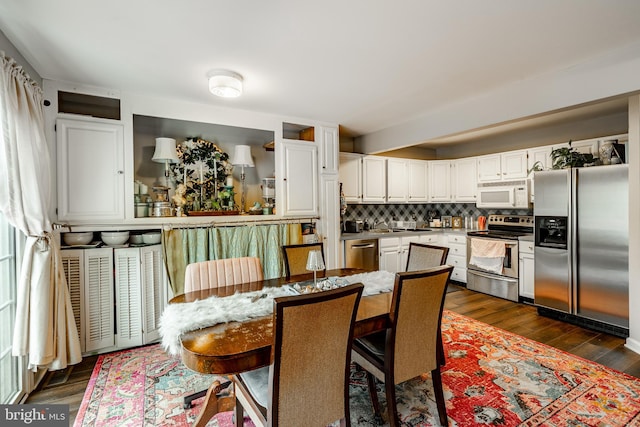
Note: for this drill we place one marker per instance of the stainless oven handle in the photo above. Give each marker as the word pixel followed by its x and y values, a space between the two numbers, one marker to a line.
pixel 492 276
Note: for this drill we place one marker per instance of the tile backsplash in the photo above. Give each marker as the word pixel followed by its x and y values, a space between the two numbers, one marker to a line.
pixel 375 213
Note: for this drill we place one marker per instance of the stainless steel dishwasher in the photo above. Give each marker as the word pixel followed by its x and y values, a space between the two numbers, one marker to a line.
pixel 361 253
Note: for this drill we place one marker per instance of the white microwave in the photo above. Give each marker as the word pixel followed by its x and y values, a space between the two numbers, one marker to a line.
pixel 504 195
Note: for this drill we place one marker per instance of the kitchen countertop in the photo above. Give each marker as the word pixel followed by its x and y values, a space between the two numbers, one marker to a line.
pixel 374 235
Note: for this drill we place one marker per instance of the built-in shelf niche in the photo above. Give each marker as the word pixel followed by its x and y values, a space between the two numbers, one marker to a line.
pixel 298 132
pixel 88 105
pixel 147 128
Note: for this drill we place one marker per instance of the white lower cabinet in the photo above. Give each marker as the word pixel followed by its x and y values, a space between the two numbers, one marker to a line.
pixel 140 284
pixel 394 251
pixel 89 274
pixel 526 269
pixel 457 244
pixel 390 254
pixel 329 223
pixel 117 295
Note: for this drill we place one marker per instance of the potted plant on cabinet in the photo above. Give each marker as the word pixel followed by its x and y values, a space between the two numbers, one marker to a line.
pixel 569 157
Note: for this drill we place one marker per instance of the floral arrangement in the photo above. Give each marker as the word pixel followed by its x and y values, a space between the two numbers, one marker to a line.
pixel 203 170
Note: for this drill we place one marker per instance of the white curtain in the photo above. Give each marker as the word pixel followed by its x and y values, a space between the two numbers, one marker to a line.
pixel 45 329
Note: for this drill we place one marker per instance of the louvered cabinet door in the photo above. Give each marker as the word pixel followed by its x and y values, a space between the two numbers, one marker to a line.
pixel 128 297
pixel 73 265
pixel 98 298
pixel 154 290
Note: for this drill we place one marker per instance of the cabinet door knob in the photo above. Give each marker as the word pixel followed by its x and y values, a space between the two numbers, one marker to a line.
pixel 120 172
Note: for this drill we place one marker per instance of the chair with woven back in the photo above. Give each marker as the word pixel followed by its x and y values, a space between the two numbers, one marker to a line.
pixel 422 256
pixel 307 383
pixel 412 345
pixel 217 273
pixel 295 257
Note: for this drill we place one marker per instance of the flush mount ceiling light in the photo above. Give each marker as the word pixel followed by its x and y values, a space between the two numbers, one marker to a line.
pixel 224 83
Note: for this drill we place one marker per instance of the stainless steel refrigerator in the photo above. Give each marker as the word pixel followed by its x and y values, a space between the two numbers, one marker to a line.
pixel 582 242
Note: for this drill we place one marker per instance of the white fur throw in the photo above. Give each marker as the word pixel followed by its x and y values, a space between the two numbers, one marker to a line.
pixel 177 319
pixel 375 282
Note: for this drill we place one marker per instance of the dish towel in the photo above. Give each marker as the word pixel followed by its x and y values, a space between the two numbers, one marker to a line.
pixel 487 255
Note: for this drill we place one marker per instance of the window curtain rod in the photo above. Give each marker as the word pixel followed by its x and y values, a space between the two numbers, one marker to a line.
pixel 239 223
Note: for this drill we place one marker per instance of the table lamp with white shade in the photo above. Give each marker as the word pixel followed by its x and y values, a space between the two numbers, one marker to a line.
pixel 242 157
pixel 165 153
pixel 315 263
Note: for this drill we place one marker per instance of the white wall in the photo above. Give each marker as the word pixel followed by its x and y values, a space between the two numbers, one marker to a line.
pixel 633 342
pixel 10 50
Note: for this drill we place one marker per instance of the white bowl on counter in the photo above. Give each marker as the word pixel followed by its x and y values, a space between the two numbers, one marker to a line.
pixel 114 238
pixel 77 238
pixel 151 238
pixel 135 239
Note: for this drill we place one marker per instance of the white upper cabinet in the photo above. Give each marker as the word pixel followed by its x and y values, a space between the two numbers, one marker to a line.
pixel 329 147
pixel 440 181
pixel 397 188
pixel 514 165
pixel 585 146
pixel 374 179
pixel 465 181
pixel 351 176
pixel 539 158
pixel 508 166
pixel 489 168
pixel 407 180
pixel 300 180
pixel 90 165
pixel 417 172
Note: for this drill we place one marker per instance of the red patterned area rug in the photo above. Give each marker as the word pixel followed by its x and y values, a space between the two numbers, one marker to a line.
pixel 492 377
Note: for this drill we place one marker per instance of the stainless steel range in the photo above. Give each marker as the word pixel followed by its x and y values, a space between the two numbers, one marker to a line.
pixel 492 255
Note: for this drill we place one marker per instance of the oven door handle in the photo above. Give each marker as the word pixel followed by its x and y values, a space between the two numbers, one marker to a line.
pixel 493 276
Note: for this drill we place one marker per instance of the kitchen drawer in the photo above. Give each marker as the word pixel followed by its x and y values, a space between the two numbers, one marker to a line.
pixel 457 249
pixel 457 261
pixel 408 239
pixel 433 239
pixel 525 247
pixel 388 242
pixel 457 239
pixel 459 275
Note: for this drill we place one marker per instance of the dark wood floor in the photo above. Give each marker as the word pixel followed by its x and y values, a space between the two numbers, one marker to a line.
pixel 521 319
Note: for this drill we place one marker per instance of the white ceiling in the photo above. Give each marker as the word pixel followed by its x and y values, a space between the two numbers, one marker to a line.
pixel 366 64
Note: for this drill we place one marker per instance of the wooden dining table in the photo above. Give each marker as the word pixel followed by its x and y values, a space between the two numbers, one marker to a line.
pixel 235 347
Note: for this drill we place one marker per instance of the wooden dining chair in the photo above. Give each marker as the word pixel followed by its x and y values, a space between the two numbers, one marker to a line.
pixel 213 274
pixel 411 346
pixel 307 383
pixel 295 257
pixel 422 256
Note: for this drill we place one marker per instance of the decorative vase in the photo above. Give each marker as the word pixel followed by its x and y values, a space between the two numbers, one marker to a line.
pixel 605 152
